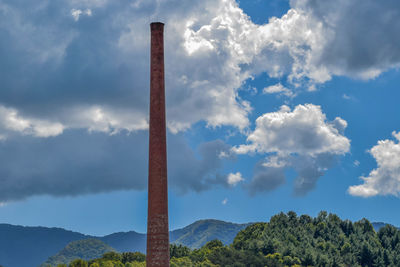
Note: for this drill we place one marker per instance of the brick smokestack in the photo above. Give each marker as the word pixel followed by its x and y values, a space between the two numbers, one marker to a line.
pixel 157 219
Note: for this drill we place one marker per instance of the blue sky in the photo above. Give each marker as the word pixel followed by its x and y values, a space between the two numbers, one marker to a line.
pixel 271 106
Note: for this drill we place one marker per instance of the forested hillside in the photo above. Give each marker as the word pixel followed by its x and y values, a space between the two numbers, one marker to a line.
pixel 86 249
pixel 287 240
pixel 322 241
pixel 198 233
pixel 40 243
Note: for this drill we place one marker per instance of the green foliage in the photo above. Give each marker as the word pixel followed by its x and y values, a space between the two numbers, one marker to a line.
pixel 112 256
pixel 322 241
pixel 181 262
pixel 133 256
pixel 287 240
pixel 125 259
pixel 106 263
pixel 178 251
pixel 78 263
pixel 135 264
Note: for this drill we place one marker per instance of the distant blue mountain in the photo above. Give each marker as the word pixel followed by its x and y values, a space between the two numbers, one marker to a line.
pixel 30 246
pixel 37 244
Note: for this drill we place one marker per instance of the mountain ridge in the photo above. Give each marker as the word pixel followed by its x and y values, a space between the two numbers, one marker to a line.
pixel 40 242
pixel 85 249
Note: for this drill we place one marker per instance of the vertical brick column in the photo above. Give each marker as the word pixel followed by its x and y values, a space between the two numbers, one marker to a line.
pixel 157 218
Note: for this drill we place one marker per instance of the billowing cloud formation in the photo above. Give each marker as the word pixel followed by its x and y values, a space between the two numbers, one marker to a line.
pixel 77 163
pixel 385 179
pixel 83 66
pixel 359 36
pixel 59 57
pixel 303 131
pixel 302 139
pixel 320 39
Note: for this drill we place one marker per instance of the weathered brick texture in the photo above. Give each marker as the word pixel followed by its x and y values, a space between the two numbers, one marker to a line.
pixel 157 220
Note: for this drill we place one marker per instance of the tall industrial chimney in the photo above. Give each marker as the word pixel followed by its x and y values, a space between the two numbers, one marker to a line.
pixel 157 217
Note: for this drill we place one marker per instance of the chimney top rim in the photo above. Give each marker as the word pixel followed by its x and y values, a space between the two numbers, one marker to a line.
pixel 157 23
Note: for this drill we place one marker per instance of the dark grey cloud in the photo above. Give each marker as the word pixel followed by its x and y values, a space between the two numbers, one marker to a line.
pixel 267 177
pixel 77 163
pixel 197 171
pixel 54 61
pixel 361 36
pixel 72 164
pixel 309 170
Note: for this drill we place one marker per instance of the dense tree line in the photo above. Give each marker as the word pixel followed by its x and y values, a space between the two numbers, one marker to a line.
pixel 287 240
pixel 322 241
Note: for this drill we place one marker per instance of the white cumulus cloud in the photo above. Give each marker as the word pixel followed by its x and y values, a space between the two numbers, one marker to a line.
pixel 385 179
pixel 302 139
pixel 305 131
